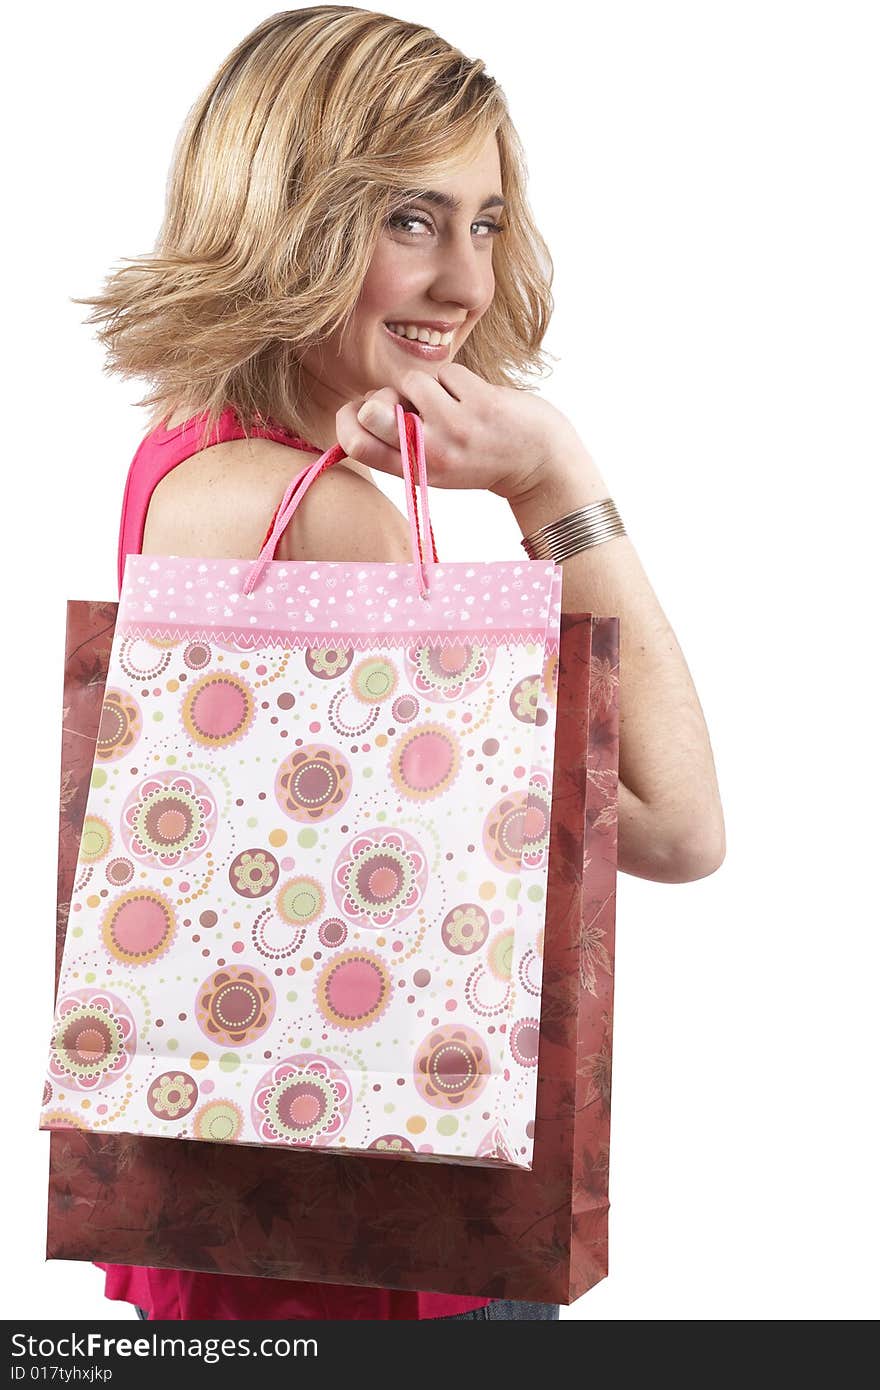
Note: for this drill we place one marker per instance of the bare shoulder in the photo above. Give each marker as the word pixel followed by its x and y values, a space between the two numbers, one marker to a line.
pixel 220 501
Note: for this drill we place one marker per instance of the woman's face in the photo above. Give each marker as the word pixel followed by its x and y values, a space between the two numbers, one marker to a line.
pixel 432 266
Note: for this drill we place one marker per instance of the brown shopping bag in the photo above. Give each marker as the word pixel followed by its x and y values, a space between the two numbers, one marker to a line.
pixel 539 1235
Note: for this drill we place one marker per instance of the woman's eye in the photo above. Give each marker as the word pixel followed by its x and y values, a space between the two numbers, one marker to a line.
pixel 402 219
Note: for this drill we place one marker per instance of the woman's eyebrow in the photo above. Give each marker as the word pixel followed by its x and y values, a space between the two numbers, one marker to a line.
pixel 446 200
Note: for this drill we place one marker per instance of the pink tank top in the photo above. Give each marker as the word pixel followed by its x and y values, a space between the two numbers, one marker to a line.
pixel 187 1294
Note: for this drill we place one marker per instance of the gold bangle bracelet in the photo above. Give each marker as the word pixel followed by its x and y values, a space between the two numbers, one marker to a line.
pixel 574 532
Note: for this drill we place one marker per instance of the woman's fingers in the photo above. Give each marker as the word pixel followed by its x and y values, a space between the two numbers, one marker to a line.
pixel 377 414
pixel 363 444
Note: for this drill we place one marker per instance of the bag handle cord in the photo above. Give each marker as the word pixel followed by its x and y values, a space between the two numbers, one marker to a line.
pixel 410 433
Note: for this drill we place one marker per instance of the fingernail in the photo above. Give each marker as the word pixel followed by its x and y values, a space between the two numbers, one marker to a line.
pixel 376 416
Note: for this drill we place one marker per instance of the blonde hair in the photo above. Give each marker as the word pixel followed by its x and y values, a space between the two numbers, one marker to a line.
pixel 282 176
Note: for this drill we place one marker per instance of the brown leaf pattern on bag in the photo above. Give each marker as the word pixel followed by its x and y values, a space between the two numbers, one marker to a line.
pixel 376 1220
pixel 604 683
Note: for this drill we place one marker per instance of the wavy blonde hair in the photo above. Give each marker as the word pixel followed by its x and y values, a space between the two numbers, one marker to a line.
pixel 283 174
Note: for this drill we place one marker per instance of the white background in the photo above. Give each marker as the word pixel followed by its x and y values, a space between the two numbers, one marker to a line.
pixel 706 177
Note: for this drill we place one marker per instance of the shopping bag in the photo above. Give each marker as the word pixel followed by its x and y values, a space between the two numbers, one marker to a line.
pixel 311 886
pixel 540 1235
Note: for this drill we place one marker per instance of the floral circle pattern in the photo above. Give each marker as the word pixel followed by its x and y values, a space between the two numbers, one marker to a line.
pixel 353 990
pixel 374 680
pixel 451 1066
pixel 487 994
pixel 235 1005
pixel 300 901
pixel 61 1119
pixel 536 826
pixel 516 833
pixel 274 938
pixel 218 710
pixel 449 672
pixel 139 926
pixel 93 1040
pixel 405 709
pixel 503 832
pixel 197 655
pixel 425 762
pixel 169 819
pixel 393 1144
pixel 499 956
pixel 332 932
pixel 172 1095
pixel 524 699
pixel 95 841
pixel 119 872
pixel 328 662
pixel 524 1037
pixel 253 873
pixel 313 783
pixel 120 726
pixel 220 1121
pixel 380 877
pixel 304 1101
pixel 141 659
pixel 464 929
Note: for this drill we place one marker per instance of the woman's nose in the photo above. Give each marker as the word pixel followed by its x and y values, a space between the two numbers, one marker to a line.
pixel 463 275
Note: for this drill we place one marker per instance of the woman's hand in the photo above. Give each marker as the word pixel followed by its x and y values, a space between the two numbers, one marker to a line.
pixel 476 435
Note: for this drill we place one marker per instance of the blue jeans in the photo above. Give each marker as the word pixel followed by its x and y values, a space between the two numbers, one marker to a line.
pixel 500 1310
pixel 506 1310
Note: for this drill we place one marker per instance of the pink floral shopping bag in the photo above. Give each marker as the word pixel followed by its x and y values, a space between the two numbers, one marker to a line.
pixel 309 902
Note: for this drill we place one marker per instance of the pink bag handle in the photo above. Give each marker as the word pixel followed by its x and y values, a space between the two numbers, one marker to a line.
pixel 410 433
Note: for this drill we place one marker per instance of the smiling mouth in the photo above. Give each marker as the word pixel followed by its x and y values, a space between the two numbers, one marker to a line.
pixel 415 347
pixel 428 336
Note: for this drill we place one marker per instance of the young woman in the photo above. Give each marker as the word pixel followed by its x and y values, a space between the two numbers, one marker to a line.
pixel 347 228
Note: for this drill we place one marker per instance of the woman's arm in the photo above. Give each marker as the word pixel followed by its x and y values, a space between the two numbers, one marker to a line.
pixel 671 825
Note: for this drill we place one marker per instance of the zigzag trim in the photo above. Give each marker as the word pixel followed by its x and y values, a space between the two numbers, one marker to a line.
pixel 256 637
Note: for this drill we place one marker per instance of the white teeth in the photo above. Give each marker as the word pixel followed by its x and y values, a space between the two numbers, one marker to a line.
pixel 423 335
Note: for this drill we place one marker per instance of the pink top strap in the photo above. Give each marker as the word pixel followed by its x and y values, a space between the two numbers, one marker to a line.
pixel 410 433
